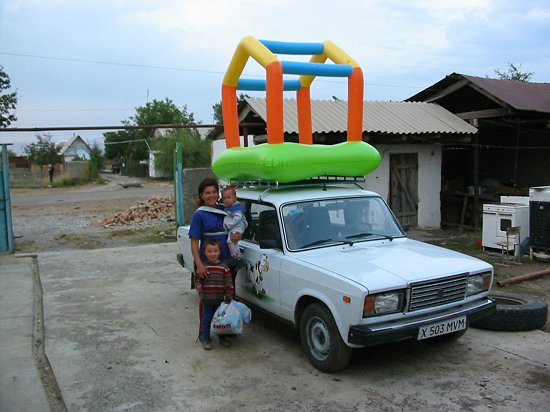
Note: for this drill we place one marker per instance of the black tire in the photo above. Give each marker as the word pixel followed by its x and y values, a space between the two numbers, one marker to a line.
pixel 321 339
pixel 515 312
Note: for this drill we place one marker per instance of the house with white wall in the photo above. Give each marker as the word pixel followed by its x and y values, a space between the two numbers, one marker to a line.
pixel 75 147
pixel 409 137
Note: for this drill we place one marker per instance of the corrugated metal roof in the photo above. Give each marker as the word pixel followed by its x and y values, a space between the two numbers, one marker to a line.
pixel 526 96
pixel 519 95
pixel 378 117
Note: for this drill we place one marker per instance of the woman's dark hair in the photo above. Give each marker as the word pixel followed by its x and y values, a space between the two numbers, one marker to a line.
pixel 209 181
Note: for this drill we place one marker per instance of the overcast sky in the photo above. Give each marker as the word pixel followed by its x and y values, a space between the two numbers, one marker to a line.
pixel 92 63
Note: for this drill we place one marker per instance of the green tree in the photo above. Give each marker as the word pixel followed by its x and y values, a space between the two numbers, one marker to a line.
pixel 43 151
pixel 514 73
pixel 196 152
pixel 135 146
pixel 96 162
pixel 122 145
pixel 217 108
pixel 8 101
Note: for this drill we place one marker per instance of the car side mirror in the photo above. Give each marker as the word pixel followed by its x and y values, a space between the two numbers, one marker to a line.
pixel 406 228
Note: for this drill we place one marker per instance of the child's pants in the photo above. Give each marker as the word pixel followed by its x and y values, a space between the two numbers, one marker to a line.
pixel 208 311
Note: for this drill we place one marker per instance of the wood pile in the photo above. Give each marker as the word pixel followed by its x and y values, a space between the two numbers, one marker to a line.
pixel 156 207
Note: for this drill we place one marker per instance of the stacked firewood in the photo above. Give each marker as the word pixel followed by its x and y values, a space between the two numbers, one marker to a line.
pixel 156 207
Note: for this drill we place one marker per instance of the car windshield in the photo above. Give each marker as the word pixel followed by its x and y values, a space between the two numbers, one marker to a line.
pixel 324 223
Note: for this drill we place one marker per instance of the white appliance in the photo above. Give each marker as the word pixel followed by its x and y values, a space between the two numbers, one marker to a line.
pixel 512 211
pixel 539 200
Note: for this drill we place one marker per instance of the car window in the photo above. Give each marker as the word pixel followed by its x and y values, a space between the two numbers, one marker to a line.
pixel 328 222
pixel 252 214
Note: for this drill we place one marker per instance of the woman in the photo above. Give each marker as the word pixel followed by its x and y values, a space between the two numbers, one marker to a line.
pixel 207 223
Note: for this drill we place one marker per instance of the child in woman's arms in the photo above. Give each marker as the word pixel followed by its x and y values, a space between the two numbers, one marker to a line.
pixel 235 222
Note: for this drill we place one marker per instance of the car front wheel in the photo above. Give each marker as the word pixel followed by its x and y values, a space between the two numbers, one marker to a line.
pixel 321 340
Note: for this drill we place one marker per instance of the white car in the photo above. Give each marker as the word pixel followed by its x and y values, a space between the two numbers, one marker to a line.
pixel 333 261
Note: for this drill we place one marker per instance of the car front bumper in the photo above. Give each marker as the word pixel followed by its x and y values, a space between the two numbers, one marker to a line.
pixel 395 331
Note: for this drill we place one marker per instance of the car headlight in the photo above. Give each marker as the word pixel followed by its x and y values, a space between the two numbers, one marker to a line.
pixel 478 283
pixel 383 303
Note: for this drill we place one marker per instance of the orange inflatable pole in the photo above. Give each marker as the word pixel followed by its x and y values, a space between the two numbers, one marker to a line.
pixel 304 115
pixel 230 116
pixel 274 97
pixel 355 105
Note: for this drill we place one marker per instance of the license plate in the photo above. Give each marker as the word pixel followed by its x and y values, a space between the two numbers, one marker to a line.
pixel 442 328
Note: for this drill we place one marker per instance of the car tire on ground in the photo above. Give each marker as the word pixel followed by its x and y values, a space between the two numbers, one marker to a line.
pixel 514 312
pixel 321 339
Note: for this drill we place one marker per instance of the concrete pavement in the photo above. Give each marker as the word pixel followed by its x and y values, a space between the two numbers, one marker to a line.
pixel 20 384
pixel 121 330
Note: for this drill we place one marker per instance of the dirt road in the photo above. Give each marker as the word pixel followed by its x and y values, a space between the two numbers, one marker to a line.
pixel 65 218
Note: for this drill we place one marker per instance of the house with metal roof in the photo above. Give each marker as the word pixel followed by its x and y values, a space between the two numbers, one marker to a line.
pixel 510 152
pixel 75 147
pixel 408 135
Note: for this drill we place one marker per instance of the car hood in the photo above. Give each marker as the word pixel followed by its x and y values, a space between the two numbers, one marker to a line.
pixel 380 265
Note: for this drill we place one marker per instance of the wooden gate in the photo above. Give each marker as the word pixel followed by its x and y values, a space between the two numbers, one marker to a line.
pixel 404 187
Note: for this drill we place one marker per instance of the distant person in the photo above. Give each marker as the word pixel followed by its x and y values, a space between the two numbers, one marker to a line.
pixel 51 169
pixel 215 287
pixel 235 222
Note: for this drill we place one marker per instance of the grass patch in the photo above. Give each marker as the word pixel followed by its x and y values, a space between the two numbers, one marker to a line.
pixel 119 237
pixel 69 181
pixel 465 243
pixel 145 236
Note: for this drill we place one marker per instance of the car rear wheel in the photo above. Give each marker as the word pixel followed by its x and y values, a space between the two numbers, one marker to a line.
pixel 321 339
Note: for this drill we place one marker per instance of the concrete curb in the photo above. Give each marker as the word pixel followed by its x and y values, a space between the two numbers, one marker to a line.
pixel 49 383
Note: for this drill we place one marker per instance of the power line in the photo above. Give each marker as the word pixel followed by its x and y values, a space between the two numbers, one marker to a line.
pixel 123 127
pixel 144 66
pixel 147 66
pixel 127 127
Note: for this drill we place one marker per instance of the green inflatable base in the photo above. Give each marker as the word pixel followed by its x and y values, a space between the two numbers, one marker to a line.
pixel 292 162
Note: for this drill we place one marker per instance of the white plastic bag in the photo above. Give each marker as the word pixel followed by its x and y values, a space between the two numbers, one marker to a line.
pixel 244 310
pixel 227 320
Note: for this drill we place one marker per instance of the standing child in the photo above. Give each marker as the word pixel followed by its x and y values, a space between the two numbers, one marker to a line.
pixel 234 222
pixel 214 288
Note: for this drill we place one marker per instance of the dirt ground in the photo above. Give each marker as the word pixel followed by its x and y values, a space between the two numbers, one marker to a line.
pixel 51 219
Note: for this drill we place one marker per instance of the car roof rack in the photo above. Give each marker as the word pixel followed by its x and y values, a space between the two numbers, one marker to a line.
pixel 313 181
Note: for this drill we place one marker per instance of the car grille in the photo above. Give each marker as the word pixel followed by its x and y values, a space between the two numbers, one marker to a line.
pixel 435 293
